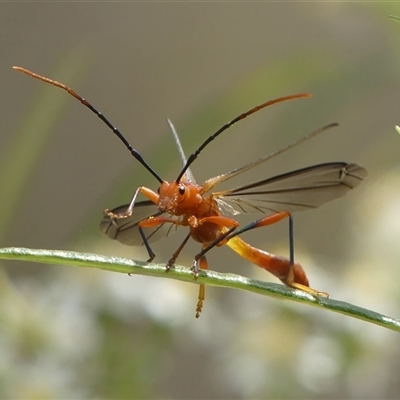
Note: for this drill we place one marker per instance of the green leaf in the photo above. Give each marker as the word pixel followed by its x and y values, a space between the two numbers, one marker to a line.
pixel 209 278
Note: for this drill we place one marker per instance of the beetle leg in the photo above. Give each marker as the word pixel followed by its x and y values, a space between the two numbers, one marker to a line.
pixel 150 194
pixel 150 223
pixel 203 265
pixel 172 260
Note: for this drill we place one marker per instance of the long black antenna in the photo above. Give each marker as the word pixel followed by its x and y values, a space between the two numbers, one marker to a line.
pixel 134 152
pixel 223 128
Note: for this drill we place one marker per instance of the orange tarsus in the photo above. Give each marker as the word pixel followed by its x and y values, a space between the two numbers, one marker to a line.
pixel 150 194
pixel 203 265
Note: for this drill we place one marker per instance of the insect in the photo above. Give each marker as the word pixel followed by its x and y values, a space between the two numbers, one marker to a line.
pixel 209 214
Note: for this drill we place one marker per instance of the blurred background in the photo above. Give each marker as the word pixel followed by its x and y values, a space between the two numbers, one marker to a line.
pixel 76 333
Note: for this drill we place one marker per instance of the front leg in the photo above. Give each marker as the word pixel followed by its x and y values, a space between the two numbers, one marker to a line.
pixel 150 194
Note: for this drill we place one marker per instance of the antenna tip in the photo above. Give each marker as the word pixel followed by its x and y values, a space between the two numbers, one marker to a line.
pixel 20 69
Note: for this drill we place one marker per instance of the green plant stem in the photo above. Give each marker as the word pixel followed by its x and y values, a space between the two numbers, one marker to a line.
pixel 210 278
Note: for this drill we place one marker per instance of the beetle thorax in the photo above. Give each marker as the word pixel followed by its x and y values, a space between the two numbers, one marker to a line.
pixel 180 198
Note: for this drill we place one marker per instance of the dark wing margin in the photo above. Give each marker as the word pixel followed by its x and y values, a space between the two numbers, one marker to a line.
pixel 298 190
pixel 126 231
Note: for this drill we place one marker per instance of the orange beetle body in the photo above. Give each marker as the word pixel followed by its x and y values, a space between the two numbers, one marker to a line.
pixel 210 216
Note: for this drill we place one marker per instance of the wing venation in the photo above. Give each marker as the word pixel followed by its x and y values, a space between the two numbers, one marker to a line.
pixel 126 231
pixel 293 191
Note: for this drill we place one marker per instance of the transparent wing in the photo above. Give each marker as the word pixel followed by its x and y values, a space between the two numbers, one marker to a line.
pixel 216 180
pixel 298 190
pixel 126 231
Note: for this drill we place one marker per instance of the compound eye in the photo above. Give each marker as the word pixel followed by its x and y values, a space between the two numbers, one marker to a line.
pixel 181 190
